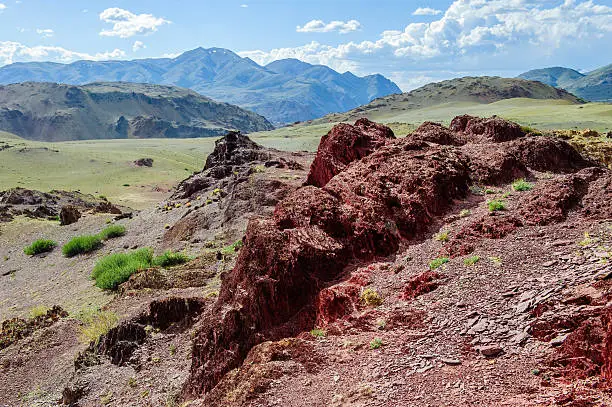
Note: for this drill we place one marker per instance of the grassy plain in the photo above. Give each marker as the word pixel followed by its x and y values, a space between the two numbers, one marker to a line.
pixel 105 167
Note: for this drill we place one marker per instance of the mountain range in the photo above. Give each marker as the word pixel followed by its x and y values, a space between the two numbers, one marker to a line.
pixel 595 86
pixel 283 91
pixel 56 112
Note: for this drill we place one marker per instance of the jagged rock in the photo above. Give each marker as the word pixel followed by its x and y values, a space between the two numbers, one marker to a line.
pixel 69 214
pixel 235 149
pixel 343 145
pixel 493 129
pixel 144 162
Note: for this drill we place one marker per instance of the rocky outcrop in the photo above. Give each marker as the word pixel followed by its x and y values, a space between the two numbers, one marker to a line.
pixel 15 329
pixel 343 145
pixel 291 272
pixel 48 205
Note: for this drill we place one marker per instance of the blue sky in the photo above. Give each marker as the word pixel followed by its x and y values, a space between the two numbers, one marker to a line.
pixel 412 42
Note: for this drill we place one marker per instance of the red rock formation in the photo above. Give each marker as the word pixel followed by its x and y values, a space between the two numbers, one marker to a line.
pixel 376 193
pixel 421 284
pixel 493 129
pixel 343 145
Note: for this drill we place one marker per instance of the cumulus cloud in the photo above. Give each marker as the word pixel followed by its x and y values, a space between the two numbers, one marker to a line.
pixel 319 26
pixel 471 34
pixel 244 5
pixel 426 11
pixel 127 24
pixel 11 51
pixel 2 7
pixel 138 45
pixel 45 32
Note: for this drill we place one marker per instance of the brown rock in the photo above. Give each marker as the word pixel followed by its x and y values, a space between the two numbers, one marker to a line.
pixel 69 214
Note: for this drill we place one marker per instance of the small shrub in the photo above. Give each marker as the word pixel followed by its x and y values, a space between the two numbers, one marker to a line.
pixel 81 245
pixel 496 205
pixel 318 333
pixel 39 246
pixel 520 185
pixel 96 324
pixel 376 343
pixel 234 247
pixel 371 297
pixel 170 258
pixel 437 263
pixel 490 191
pixel 441 237
pixel 117 268
pixel 465 213
pixel 112 232
pixel 496 260
pixel 38 311
pixel 470 261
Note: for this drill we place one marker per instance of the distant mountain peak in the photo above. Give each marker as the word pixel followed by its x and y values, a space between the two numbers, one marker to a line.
pixel 284 91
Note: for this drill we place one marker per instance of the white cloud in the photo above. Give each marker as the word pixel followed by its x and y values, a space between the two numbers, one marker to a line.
pixel 319 26
pixel 138 45
pixel 426 11
pixel 2 7
pixel 244 5
pixel 127 24
pixel 470 35
pixel 11 51
pixel 45 32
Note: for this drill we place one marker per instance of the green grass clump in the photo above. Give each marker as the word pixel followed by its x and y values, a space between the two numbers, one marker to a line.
pixel 170 258
pixel 234 247
pixel 520 185
pixel 437 263
pixel 39 246
pixel 371 297
pixel 318 333
pixel 38 311
pixel 112 232
pixel 96 324
pixel 496 205
pixel 470 261
pixel 81 245
pixel 117 268
pixel 376 343
pixel 442 236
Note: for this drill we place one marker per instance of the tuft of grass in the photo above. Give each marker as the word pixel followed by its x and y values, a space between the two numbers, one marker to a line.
pixel 81 245
pixel 318 333
pixel 495 205
pixel 96 324
pixel 497 261
pixel 112 231
pixel 170 258
pixel 520 185
pixel 586 241
pixel 38 311
pixel 442 236
pixel 465 213
pixel 437 263
pixel 117 268
pixel 490 191
pixel 370 297
pixel 470 261
pixel 40 246
pixel 234 247
pixel 376 343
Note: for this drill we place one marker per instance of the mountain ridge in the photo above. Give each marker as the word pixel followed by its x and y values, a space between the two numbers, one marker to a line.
pixel 595 86
pixel 102 110
pixel 301 91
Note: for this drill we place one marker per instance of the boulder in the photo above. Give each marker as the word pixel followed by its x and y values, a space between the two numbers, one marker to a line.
pixel 144 162
pixel 69 214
